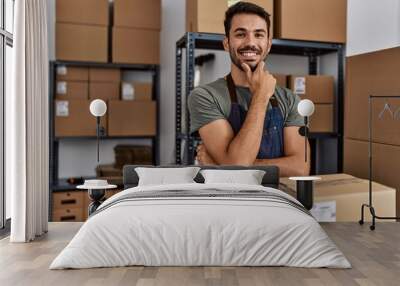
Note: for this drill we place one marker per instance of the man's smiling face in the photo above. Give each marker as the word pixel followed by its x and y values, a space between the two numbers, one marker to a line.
pixel 248 40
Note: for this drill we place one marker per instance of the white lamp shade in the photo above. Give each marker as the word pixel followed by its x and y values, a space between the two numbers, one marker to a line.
pixel 98 107
pixel 305 107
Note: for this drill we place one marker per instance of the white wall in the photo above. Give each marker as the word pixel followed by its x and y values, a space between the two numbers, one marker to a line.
pixel 173 28
pixel 372 25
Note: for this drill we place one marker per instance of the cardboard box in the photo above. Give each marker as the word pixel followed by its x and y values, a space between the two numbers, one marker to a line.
pixel 66 90
pixel 281 79
pixel 375 73
pixel 128 49
pixel 317 88
pixel 137 14
pixel 103 90
pixel 81 43
pixel 207 16
pixel 344 194
pixel 311 20
pixel 73 118
pixel 322 119
pixel 65 73
pixel 131 118
pixel 104 75
pixel 136 91
pixel 92 12
pixel 385 160
pixel 132 155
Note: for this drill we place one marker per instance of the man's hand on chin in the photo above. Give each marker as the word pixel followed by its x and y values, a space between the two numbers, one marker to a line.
pixel 203 157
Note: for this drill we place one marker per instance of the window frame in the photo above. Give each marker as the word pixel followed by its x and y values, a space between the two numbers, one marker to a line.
pixel 6 39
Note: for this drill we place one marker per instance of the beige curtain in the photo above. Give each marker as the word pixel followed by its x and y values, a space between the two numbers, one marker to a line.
pixel 27 122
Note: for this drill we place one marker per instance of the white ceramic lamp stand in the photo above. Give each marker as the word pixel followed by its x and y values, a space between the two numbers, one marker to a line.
pixel 305 185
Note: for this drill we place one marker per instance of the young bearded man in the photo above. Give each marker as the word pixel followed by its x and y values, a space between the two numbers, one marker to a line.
pixel 244 118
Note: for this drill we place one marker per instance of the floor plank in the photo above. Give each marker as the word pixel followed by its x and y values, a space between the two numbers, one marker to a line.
pixel 375 257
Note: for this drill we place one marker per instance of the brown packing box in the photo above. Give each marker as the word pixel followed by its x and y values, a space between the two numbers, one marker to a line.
pixel 93 12
pixel 108 170
pixel 136 91
pixel 73 118
pixel 104 90
pixel 322 119
pixel 72 73
pixel 317 88
pixel 375 73
pixel 66 90
pixel 131 118
pixel 137 14
pixel 136 46
pixel 208 15
pixel 132 154
pixel 105 75
pixel 311 20
pixel 81 42
pixel 385 161
pixel 349 193
pixel 281 79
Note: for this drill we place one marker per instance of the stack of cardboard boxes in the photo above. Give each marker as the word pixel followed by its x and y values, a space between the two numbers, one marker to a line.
pixel 72 116
pixel 375 73
pixel 76 87
pixel 82 34
pixel 82 30
pixel 310 20
pixel 136 31
pixel 319 89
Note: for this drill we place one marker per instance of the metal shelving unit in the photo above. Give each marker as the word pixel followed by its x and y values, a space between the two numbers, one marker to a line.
pixel 312 50
pixel 54 181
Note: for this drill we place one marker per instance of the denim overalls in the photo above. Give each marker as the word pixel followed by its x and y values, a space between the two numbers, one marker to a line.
pixel 272 139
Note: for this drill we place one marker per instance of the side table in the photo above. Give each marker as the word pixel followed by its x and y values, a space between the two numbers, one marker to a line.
pixel 96 192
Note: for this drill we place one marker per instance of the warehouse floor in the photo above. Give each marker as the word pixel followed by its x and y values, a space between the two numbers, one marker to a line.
pixel 375 257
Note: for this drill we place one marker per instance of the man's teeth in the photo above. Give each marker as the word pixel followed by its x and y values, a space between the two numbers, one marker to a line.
pixel 248 54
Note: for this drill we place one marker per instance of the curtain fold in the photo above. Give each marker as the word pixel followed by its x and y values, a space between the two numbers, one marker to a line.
pixel 28 120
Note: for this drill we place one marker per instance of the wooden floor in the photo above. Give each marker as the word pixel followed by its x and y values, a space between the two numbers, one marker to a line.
pixel 375 257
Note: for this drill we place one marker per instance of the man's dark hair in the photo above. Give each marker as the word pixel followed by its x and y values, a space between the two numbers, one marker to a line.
pixel 245 8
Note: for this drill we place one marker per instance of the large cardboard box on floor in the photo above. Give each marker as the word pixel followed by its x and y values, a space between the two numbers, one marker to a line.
pixel 104 75
pixel 137 14
pixel 104 90
pixel 131 118
pixel 92 12
pixel 66 90
pixel 311 20
pixel 73 118
pixel 76 42
pixel 317 88
pixel 338 197
pixel 207 16
pixel 135 46
pixel 385 161
pixel 66 73
pixel 377 74
pixel 322 119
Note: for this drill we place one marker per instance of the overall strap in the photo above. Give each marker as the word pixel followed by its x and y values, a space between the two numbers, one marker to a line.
pixel 231 88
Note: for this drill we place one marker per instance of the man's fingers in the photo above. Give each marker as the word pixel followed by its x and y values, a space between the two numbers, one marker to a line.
pixel 247 70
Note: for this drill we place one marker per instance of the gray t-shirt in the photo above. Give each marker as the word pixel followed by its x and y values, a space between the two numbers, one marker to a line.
pixel 210 102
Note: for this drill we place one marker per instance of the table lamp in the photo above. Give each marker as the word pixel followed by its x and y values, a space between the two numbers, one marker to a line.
pixel 96 188
pixel 98 108
pixel 305 185
pixel 306 109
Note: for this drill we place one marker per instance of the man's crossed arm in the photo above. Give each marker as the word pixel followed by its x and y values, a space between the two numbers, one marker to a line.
pixel 221 147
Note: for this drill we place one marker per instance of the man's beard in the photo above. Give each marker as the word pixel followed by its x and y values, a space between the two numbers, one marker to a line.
pixel 238 63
